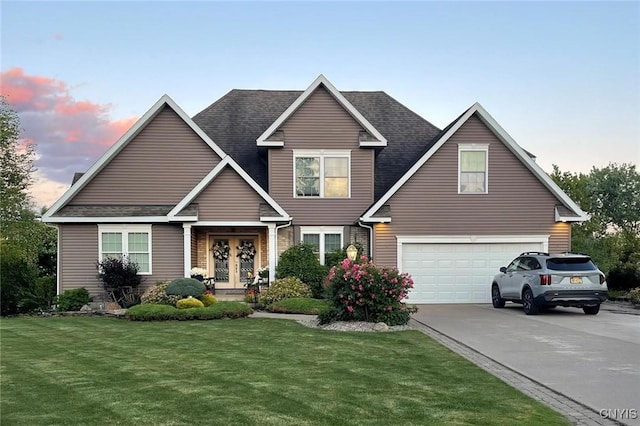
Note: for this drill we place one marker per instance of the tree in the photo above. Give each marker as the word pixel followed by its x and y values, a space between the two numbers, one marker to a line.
pixel 611 197
pixel 16 159
pixel 614 193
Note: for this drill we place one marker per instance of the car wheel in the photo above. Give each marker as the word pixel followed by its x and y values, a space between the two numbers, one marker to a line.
pixel 496 298
pixel 530 308
pixel 591 310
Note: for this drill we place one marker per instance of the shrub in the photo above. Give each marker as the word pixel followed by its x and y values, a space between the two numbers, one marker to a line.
pixel 285 288
pixel 634 296
pixel 186 287
pixel 189 302
pixel 45 290
pixel 73 300
pixel 360 291
pixel 116 273
pixel 208 299
pixel 158 295
pixel 624 276
pixel 335 258
pixel 152 312
pixel 301 262
pixel 299 305
pixel 17 277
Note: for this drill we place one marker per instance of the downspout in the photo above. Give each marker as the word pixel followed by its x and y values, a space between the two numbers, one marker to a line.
pixel 272 270
pixel 360 223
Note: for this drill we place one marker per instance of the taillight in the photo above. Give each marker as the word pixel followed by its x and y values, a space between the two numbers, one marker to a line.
pixel 545 279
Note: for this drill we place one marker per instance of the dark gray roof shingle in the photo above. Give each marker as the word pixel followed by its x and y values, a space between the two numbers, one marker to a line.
pixel 235 121
pixel 113 211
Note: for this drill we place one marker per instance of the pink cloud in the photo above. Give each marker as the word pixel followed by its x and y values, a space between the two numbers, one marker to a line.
pixel 70 135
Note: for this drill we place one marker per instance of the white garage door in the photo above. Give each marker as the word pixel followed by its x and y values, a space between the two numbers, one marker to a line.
pixel 457 272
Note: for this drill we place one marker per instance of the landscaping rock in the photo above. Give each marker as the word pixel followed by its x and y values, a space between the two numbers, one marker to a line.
pixel 380 326
pixel 86 309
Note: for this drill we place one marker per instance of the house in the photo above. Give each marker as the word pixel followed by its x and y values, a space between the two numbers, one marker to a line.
pixel 258 171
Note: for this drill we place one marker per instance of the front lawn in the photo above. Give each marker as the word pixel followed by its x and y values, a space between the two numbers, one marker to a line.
pixel 98 370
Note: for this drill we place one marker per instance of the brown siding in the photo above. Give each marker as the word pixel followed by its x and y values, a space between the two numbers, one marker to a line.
pixel 168 258
pixel 429 203
pixel 160 166
pixel 322 123
pixel 79 254
pixel 229 197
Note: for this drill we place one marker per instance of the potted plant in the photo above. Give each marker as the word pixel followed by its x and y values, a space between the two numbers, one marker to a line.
pixel 198 273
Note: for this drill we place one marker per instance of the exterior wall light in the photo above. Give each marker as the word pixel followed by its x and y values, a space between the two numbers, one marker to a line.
pixel 352 252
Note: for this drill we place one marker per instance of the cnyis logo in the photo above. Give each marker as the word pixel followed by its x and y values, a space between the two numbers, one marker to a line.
pixel 619 413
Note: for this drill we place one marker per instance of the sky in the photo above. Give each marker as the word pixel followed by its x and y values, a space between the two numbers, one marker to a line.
pixel 562 78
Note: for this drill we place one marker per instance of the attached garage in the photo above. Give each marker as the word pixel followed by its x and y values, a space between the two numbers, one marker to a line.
pixel 459 269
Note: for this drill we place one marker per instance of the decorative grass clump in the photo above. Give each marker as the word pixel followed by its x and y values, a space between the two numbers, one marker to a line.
pixel 299 305
pixel 186 287
pixel 188 303
pixel 158 295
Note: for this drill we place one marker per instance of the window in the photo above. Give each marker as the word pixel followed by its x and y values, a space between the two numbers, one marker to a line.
pixel 322 174
pixel 132 241
pixel 325 239
pixel 472 166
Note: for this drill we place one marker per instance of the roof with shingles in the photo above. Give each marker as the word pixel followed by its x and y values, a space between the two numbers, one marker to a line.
pixel 236 120
pixel 114 210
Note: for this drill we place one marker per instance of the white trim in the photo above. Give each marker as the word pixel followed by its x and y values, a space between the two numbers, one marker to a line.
pixel 321 80
pixel 226 161
pixel 468 239
pixel 272 241
pixel 125 230
pixel 560 218
pixel 322 154
pixel 228 223
pixel 186 242
pixel 508 141
pixel 121 143
pixel 375 219
pixel 321 231
pixel 479 147
pixel 107 219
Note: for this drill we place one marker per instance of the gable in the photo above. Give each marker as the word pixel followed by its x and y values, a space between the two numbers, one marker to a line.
pixel 321 123
pixel 228 197
pixel 371 136
pixel 158 166
pixel 476 112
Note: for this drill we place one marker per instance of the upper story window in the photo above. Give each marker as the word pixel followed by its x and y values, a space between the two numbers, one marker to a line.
pixel 472 165
pixel 322 174
pixel 131 241
pixel 324 239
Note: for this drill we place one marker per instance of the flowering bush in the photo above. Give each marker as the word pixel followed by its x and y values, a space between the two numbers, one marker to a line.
pixel 158 295
pixel 198 273
pixel 285 289
pixel 360 291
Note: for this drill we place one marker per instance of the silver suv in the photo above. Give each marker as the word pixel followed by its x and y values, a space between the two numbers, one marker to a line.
pixel 544 281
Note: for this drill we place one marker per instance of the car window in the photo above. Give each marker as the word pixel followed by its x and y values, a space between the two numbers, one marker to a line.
pixel 526 264
pixel 513 266
pixel 571 264
pixel 535 264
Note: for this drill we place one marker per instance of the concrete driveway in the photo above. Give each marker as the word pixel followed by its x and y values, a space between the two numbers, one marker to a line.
pixel 594 360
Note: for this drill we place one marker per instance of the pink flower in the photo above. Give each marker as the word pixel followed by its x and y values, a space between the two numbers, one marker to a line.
pixel 350 308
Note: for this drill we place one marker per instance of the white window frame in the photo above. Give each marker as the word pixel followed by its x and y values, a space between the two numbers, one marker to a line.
pixel 474 147
pixel 125 230
pixel 322 231
pixel 322 154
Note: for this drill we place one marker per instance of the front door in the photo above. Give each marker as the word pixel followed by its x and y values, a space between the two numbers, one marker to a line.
pixel 231 260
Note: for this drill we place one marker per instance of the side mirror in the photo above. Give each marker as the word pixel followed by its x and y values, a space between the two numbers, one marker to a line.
pixel 503 270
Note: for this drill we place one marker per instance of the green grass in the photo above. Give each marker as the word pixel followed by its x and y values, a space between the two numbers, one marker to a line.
pixel 99 370
pixel 299 305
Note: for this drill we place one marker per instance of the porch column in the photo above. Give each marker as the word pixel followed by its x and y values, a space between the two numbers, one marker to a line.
pixel 186 228
pixel 273 251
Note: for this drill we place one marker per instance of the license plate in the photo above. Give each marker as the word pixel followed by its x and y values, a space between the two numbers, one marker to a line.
pixel 576 280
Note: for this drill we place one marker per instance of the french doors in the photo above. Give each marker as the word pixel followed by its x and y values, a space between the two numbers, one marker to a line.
pixel 232 259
